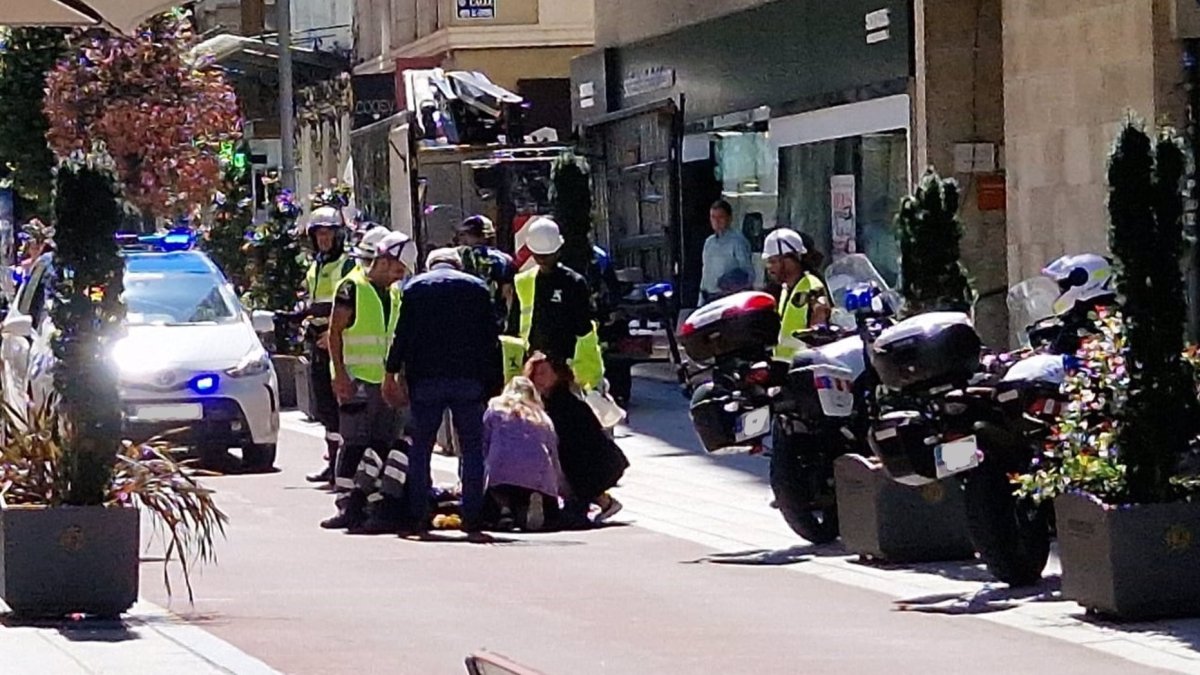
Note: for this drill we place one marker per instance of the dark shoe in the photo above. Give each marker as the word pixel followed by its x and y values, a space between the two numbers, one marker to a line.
pixel 385 517
pixel 351 512
pixel 323 476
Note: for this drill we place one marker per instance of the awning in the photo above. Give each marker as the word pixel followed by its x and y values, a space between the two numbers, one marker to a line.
pixel 120 15
pixel 253 55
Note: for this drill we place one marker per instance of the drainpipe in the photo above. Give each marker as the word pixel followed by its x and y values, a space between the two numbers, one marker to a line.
pixel 287 117
pixel 1191 85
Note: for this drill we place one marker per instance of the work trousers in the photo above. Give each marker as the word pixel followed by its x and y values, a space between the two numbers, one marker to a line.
pixel 431 398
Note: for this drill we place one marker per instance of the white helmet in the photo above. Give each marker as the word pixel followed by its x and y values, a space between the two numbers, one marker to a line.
pixel 1082 277
pixel 366 246
pixel 326 216
pixel 542 236
pixel 399 246
pixel 783 241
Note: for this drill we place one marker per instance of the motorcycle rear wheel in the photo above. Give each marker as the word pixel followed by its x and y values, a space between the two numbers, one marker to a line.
pixel 1011 535
pixel 804 494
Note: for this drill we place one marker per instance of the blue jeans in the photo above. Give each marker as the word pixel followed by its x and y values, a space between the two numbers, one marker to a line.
pixel 464 398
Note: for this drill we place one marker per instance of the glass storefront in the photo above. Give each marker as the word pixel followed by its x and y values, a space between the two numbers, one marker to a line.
pixel 860 178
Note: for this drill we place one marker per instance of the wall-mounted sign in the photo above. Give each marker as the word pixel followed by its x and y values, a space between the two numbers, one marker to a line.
pixel 649 80
pixel 476 9
pixel 877 24
pixel 992 194
pixel 844 212
pixel 374 98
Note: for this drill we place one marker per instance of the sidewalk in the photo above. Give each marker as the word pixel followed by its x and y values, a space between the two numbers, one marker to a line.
pixel 148 641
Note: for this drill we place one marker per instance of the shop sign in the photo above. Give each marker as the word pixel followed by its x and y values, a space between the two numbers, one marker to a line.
pixel 845 217
pixel 374 98
pixel 476 9
pixel 648 80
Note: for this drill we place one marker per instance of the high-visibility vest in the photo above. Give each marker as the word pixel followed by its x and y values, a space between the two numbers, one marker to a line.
pixel 588 362
pixel 323 279
pixel 365 343
pixel 793 314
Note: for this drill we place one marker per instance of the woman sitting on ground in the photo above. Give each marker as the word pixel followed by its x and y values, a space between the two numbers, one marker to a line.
pixel 591 462
pixel 520 452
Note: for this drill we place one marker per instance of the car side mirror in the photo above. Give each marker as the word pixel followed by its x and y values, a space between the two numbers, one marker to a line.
pixel 20 325
pixel 262 321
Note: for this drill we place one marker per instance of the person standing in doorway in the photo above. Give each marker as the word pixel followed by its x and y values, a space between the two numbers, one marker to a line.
pixel 445 356
pixel 366 311
pixel 728 266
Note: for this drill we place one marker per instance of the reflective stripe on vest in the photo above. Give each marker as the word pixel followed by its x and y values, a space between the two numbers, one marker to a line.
pixel 588 363
pixel 794 318
pixel 365 342
pixel 323 283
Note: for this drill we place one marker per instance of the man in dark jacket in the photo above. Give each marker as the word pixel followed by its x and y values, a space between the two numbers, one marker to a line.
pixel 446 356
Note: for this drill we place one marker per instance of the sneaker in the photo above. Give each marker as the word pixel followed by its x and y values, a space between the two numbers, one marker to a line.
pixel 609 508
pixel 535 516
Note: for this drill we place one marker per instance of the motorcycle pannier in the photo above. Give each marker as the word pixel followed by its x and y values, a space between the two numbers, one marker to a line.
pixel 898 439
pixel 737 323
pixel 928 349
pixel 713 424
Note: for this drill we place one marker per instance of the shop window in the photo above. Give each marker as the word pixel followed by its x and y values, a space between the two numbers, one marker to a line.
pixel 865 176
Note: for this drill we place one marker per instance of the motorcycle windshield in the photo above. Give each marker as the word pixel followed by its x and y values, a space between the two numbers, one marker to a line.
pixel 847 273
pixel 1031 301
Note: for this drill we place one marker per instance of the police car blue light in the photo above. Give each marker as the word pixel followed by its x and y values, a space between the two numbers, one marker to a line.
pixel 203 384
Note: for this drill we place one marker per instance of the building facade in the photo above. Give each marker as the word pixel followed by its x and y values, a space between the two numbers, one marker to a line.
pixel 806 114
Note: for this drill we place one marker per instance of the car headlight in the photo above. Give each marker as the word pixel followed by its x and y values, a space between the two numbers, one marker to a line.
pixel 256 362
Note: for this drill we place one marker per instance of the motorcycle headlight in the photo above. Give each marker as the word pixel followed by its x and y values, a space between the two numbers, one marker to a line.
pixel 256 362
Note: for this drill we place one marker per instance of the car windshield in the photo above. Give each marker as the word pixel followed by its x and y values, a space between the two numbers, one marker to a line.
pixel 178 298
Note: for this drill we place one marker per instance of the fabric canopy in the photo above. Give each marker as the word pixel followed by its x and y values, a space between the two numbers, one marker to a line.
pixel 121 15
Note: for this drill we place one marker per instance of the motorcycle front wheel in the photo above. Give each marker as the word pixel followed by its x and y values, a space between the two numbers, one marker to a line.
pixel 1011 535
pixel 803 490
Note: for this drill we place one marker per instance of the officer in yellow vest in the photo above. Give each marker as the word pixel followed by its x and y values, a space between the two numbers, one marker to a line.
pixel 366 310
pixel 553 312
pixel 802 301
pixel 327 237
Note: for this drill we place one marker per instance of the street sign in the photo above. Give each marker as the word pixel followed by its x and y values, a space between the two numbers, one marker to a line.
pixel 476 9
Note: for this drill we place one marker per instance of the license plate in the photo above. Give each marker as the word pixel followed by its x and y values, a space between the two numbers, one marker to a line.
pixel 754 424
pixel 957 456
pixel 175 412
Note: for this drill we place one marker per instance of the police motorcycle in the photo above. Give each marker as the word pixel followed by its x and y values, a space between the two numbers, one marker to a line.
pixel 812 409
pixel 980 427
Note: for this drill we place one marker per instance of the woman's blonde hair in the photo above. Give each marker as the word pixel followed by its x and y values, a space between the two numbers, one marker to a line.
pixel 520 398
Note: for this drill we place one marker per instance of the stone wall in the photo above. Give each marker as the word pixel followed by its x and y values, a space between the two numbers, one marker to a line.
pixel 959 99
pixel 1071 71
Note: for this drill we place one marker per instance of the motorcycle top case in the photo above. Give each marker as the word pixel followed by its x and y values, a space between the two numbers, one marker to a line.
pixel 730 325
pixel 928 349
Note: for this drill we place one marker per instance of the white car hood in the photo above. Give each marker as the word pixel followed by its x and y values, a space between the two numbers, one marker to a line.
pixel 199 347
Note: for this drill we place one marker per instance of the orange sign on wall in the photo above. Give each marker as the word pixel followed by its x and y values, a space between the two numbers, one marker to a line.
pixel 992 192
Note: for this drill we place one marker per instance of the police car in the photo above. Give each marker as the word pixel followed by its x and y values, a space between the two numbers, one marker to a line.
pixel 190 360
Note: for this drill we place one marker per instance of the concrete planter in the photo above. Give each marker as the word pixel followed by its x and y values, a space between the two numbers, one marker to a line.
pixel 69 559
pixel 1130 562
pixel 285 371
pixel 883 519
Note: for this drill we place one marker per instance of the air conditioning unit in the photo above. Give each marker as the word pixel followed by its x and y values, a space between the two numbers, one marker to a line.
pixel 1185 20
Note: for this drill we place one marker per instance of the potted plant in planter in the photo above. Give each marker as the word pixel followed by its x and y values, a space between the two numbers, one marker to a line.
pixel 129 118
pixel 879 517
pixel 1117 469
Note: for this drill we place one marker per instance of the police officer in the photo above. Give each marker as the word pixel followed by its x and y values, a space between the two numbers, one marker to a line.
pixel 552 312
pixel 476 239
pixel 327 236
pixel 802 300
pixel 366 310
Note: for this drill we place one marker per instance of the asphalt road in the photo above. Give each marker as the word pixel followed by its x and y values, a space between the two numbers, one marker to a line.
pixel 626 599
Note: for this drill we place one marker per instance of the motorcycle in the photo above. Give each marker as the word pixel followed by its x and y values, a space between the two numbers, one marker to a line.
pixel 813 409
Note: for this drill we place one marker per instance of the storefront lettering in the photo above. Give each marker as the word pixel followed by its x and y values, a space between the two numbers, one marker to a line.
pixel 648 80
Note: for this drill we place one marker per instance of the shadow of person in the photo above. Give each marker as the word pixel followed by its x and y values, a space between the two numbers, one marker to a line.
pixel 986 601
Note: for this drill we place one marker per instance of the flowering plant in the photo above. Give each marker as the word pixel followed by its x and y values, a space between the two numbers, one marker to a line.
pixel 336 194
pixel 279 268
pixel 161 113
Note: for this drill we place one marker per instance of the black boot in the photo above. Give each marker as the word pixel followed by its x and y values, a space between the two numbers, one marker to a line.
pixel 351 512
pixel 326 475
pixel 384 517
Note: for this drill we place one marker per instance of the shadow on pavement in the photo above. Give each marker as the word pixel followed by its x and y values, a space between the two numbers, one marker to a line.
pixel 83 629
pixel 957 570
pixel 988 600
pixel 767 557
pixel 1185 632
